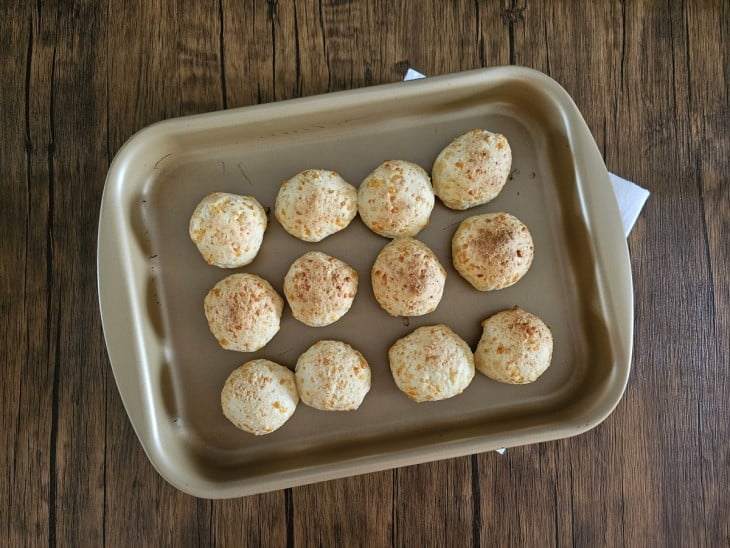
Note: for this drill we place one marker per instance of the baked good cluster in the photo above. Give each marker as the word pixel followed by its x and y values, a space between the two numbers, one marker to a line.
pixel 490 251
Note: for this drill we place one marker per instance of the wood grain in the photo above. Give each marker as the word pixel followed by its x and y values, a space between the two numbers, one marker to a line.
pixel 77 79
pixel 27 346
pixel 708 65
pixel 164 82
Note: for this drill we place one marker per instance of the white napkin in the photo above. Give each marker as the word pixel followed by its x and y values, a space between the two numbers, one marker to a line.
pixel 631 197
pixel 412 74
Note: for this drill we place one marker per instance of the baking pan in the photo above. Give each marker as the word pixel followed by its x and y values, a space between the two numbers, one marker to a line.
pixel 152 281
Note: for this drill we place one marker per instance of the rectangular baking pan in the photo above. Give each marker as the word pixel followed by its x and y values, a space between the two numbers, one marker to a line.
pixel 152 281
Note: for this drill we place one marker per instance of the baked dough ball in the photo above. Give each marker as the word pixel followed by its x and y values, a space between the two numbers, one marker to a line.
pixel 243 312
pixel 315 204
pixel 432 363
pixel 396 199
pixel 407 278
pixel 516 347
pixel 319 288
pixel 259 397
pixel 228 229
pixel 492 251
pixel 332 376
pixel 472 169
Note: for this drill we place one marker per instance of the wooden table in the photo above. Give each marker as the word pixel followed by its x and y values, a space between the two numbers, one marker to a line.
pixel 651 79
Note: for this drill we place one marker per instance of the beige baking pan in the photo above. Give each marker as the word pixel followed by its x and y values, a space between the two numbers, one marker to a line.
pixel 152 281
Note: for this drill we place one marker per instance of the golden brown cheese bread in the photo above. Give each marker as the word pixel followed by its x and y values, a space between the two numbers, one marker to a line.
pixel 332 376
pixel 315 204
pixel 516 347
pixel 407 278
pixel 472 169
pixel 319 288
pixel 259 397
pixel 492 251
pixel 431 363
pixel 396 199
pixel 243 312
pixel 228 229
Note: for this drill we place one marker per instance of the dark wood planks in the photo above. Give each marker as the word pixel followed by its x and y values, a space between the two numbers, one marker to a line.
pixel 708 78
pixel 348 512
pixel 32 302
pixel 547 491
pixel 155 71
pixel 77 166
pixel 26 330
pixel 673 289
pixel 651 79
